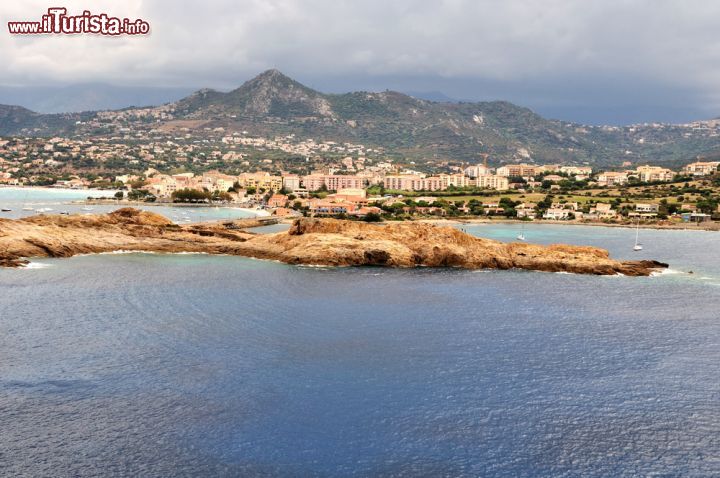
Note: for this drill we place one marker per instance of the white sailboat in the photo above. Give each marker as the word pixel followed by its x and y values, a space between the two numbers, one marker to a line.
pixel 521 236
pixel 638 246
pixel 25 206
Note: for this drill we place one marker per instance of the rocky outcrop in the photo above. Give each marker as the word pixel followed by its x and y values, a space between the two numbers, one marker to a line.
pixel 309 241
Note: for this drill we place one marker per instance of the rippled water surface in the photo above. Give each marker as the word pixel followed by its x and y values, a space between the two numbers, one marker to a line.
pixel 178 365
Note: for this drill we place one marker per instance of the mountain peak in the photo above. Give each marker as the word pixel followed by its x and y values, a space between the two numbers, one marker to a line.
pixel 275 94
pixel 273 78
pixel 271 73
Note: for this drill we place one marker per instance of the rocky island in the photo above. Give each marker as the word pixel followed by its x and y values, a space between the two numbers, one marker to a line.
pixel 309 241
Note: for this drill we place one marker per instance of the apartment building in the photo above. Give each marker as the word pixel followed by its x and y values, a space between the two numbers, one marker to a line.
pixel 333 182
pixel 260 181
pixel 291 182
pixel 492 181
pixel 654 173
pixel 513 170
pixel 612 178
pixel 701 168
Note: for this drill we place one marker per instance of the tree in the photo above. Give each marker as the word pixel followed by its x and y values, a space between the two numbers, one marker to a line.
pixel 191 195
pixel 140 195
pixel 119 195
pixel 372 217
pixel 221 196
pixel 707 206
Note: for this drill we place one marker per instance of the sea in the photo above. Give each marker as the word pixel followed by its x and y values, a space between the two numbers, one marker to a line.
pixel 175 365
pixel 24 202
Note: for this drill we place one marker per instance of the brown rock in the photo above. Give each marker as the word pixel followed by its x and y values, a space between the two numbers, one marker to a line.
pixel 308 241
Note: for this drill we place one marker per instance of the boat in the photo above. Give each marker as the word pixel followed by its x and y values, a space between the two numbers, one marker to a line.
pixel 64 213
pixel 25 206
pixel 6 210
pixel 521 236
pixel 637 246
pixel 87 208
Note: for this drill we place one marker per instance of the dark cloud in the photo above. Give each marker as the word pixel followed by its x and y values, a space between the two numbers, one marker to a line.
pixel 608 60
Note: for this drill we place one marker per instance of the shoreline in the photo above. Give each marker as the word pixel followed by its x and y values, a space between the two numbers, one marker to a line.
pixel 50 188
pixel 125 203
pixel 711 227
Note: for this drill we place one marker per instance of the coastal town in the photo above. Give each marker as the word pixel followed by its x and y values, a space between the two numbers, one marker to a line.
pixel 291 177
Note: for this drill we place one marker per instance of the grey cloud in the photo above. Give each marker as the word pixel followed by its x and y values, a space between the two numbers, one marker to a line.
pixel 593 50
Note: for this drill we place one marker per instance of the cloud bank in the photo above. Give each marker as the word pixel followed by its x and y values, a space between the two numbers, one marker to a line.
pixel 659 55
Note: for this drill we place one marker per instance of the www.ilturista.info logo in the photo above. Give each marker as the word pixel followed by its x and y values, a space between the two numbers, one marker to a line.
pixel 57 21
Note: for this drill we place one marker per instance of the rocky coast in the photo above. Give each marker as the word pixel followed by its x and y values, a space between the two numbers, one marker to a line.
pixel 309 241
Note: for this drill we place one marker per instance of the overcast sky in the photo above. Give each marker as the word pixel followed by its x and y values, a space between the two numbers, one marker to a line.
pixel 594 61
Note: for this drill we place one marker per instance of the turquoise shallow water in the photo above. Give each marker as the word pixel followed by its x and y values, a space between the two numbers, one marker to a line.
pixel 58 200
pixel 193 365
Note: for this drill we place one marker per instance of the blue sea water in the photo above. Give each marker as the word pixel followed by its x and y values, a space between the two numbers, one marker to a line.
pixel 194 365
pixel 58 200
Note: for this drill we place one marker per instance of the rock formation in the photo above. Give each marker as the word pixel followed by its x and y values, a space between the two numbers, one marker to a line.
pixel 327 242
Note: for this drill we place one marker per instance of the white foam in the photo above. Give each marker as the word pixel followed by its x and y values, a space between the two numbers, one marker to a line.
pixel 36 265
pixel 667 272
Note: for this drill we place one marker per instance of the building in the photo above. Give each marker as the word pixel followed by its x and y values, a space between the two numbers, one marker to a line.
pixel 365 210
pixel 526 210
pixel 215 181
pixel 403 182
pixel 477 170
pixel 576 170
pixel 648 174
pixel 260 181
pixel 557 214
pixel 517 170
pixel 545 168
pixel 603 210
pixel 330 207
pixel 612 178
pixel 333 182
pixel 643 207
pixel 573 206
pixel 492 181
pixel 417 182
pixel 277 200
pixel 701 168
pixel 291 182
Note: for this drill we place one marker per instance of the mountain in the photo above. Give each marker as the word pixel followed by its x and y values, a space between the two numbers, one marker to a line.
pixel 88 97
pixel 436 96
pixel 273 104
pixel 270 94
pixel 16 119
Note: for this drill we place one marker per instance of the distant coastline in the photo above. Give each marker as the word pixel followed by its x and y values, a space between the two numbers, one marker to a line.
pixel 126 203
pixel 709 226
